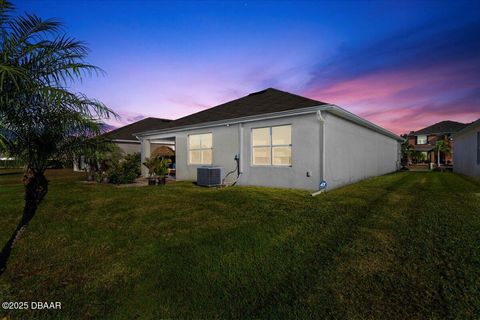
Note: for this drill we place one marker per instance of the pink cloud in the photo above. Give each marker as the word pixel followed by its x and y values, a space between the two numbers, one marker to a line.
pixel 409 99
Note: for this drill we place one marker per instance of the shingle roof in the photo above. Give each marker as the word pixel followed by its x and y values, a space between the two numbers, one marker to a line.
pixel 126 132
pixel 262 102
pixel 441 127
pixel 469 127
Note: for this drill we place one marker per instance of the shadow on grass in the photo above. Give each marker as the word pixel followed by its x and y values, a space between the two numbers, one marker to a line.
pixel 11 173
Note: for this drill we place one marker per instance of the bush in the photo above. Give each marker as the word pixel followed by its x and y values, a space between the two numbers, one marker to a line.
pixel 131 163
pixel 126 170
pixel 157 166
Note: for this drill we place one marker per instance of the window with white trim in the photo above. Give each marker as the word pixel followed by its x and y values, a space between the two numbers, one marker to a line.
pixel 200 148
pixel 272 146
pixel 422 139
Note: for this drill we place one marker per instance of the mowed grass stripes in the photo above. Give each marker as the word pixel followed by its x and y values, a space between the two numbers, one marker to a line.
pixel 404 245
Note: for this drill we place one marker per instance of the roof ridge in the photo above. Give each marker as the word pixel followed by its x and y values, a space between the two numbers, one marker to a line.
pixel 250 95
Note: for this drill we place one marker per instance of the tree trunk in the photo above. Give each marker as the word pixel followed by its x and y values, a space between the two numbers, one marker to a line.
pixel 36 187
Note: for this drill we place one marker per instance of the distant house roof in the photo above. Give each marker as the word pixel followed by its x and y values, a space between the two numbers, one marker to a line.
pixel 441 127
pixel 126 132
pixel 262 102
pixel 468 127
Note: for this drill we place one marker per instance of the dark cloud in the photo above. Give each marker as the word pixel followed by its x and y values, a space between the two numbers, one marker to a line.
pixel 423 46
pixel 410 79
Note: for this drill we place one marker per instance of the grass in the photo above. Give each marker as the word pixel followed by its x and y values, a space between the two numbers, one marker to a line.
pixel 405 245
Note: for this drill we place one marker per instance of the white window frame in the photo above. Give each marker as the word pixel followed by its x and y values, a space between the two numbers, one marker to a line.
pixel 198 149
pixel 271 146
pixel 422 135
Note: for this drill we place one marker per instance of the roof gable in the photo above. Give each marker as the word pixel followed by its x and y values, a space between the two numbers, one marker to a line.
pixel 126 132
pixel 257 103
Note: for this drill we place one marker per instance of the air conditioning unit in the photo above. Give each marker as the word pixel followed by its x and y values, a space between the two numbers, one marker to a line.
pixel 210 176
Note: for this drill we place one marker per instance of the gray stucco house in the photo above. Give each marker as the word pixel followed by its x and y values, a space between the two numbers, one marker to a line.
pixel 467 150
pixel 281 139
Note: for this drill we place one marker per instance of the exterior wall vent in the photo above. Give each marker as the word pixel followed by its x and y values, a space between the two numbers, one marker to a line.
pixel 210 176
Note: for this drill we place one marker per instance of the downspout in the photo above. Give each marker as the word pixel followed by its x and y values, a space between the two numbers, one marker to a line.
pixel 240 149
pixel 321 120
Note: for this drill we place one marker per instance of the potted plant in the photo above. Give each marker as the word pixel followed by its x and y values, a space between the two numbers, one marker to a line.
pixel 161 170
pixel 151 164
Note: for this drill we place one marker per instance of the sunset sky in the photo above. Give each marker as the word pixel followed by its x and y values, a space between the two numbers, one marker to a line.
pixel 400 64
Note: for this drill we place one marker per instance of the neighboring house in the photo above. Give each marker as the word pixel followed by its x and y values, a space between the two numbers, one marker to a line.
pixel 424 141
pixel 467 150
pixel 125 139
pixel 281 140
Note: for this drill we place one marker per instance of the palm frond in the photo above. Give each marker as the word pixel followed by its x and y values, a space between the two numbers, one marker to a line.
pixel 43 117
pixel 6 7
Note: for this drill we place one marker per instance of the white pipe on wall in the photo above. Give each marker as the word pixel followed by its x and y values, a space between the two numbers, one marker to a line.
pixel 321 120
pixel 240 153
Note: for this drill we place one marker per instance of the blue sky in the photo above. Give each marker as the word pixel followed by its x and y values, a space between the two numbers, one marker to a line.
pixel 403 65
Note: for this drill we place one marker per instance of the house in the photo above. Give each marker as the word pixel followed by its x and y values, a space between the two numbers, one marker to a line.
pixel 467 150
pixel 280 140
pixel 424 141
pixel 123 137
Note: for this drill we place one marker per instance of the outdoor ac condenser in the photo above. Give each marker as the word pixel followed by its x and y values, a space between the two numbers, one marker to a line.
pixel 210 176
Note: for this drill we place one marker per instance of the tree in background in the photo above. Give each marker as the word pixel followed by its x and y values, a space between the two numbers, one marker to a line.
pixel 406 149
pixel 42 119
pixel 441 146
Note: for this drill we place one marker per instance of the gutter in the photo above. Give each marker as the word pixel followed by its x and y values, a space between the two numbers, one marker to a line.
pixel 218 123
pixel 125 141
pixel 365 123
pixel 328 107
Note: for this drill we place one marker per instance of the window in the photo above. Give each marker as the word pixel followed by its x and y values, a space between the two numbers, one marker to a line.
pixel 272 146
pixel 478 147
pixel 421 139
pixel 200 148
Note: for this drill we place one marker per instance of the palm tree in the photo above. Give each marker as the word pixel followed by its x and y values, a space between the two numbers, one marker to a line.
pixel 406 150
pixel 441 146
pixel 42 118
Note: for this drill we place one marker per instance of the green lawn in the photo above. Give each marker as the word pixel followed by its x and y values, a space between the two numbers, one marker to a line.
pixel 405 245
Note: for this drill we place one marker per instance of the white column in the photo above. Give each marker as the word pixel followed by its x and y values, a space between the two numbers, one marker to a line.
pixel 145 153
pixel 75 163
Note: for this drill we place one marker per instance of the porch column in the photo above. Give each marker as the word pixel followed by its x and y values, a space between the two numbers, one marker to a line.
pixel 76 161
pixel 145 153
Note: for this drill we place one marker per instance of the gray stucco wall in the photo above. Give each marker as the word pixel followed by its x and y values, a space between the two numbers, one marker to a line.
pixel 225 145
pixel 354 152
pixel 465 153
pixel 128 148
pixel 305 155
